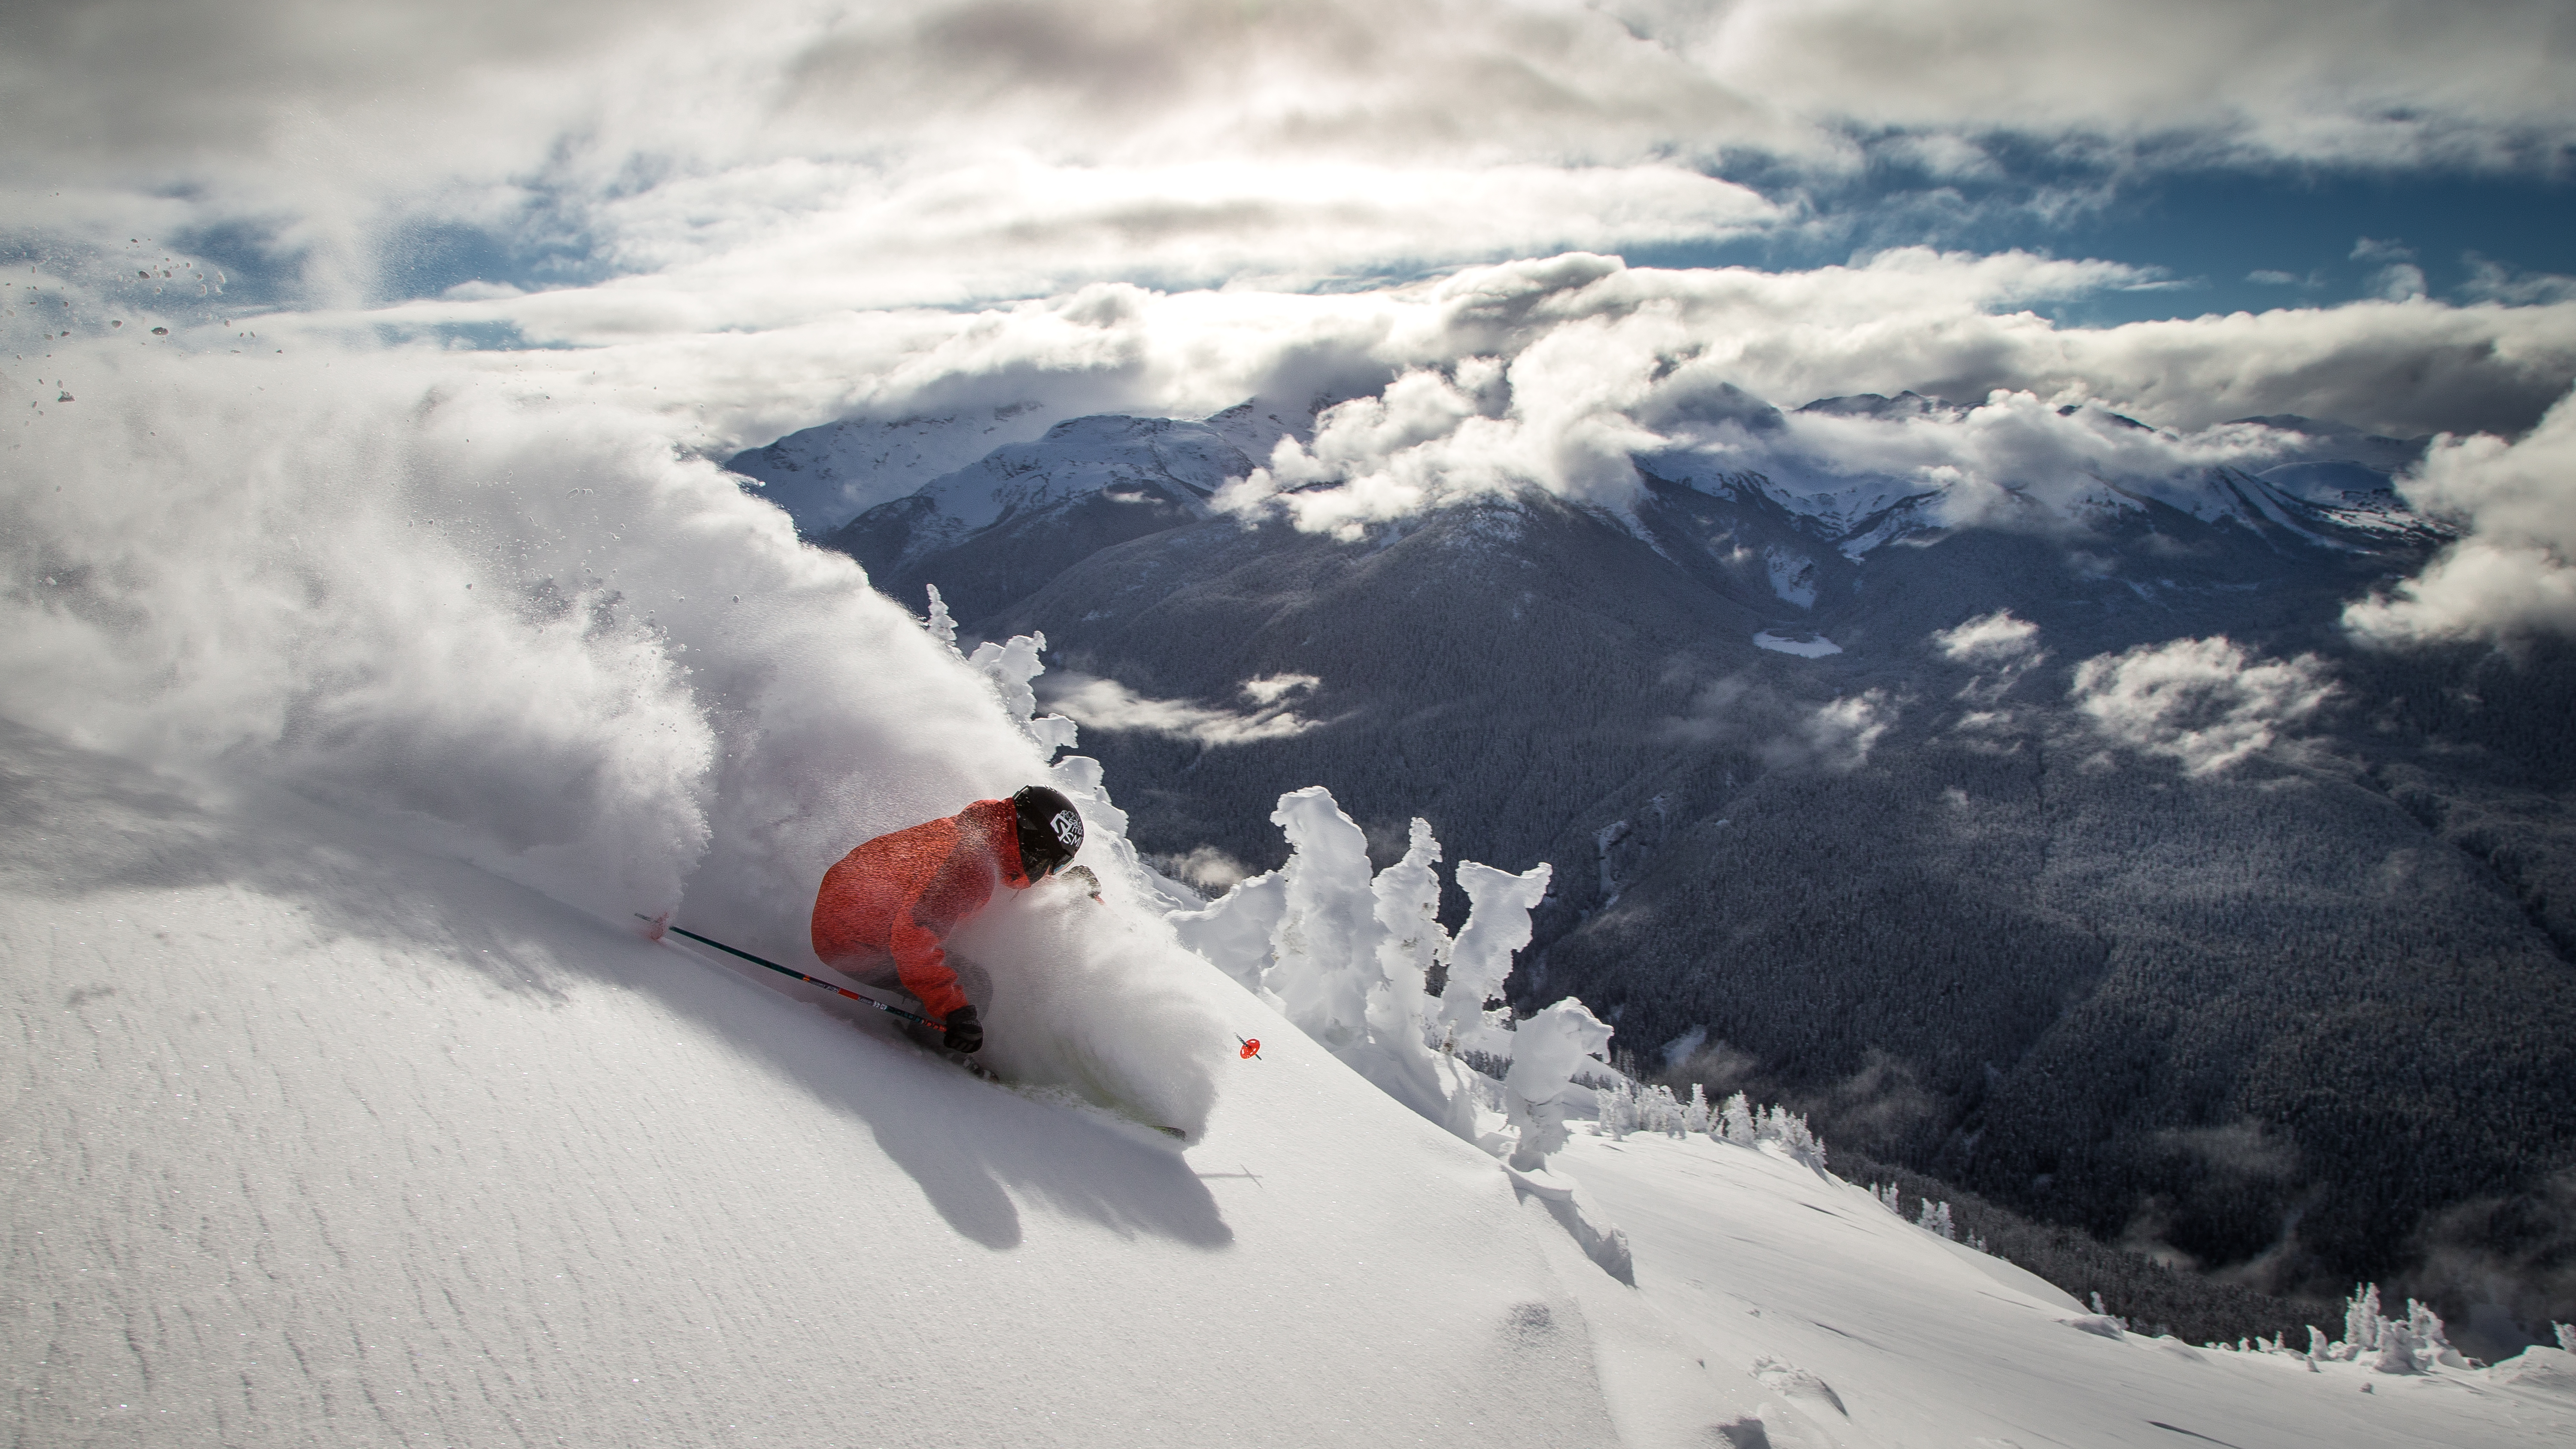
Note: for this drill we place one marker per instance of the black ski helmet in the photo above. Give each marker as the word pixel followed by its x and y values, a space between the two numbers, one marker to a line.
pixel 1050 829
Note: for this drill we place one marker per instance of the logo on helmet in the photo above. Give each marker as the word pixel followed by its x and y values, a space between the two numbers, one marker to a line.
pixel 1068 830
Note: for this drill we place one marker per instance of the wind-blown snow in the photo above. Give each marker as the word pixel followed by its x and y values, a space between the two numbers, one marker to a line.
pixel 535 639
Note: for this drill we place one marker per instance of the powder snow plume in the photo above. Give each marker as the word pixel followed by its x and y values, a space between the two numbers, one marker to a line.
pixel 524 632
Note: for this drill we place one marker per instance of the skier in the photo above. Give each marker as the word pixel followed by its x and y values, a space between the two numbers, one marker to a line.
pixel 885 910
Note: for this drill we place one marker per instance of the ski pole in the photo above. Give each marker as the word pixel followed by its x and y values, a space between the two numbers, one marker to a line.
pixel 897 1011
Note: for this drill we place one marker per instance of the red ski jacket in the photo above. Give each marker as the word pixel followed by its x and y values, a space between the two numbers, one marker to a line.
pixel 901 894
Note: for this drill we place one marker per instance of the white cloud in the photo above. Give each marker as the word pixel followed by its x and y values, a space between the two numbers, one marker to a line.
pixel 1269 689
pixel 2002 649
pixel 1840 734
pixel 1836 736
pixel 1996 638
pixel 2233 79
pixel 1542 373
pixel 1105 704
pixel 2205 702
pixel 771 214
pixel 2492 281
pixel 2515 571
pixel 965 149
pixel 1548 375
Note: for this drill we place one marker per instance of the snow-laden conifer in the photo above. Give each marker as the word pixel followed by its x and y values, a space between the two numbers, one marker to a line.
pixel 1547 1050
pixel 1735 1122
pixel 1347 956
pixel 1695 1117
pixel 938 625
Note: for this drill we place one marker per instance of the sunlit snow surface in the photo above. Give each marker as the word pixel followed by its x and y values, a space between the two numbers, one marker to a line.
pixel 1754 1257
pixel 317 1139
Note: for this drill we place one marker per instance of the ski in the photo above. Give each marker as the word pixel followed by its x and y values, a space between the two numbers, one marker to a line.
pixel 983 1073
pixel 657 925
pixel 967 1064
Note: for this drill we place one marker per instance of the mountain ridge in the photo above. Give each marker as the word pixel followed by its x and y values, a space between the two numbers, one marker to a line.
pixel 1605 688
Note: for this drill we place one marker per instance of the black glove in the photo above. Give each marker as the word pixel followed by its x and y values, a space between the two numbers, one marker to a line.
pixel 965 1033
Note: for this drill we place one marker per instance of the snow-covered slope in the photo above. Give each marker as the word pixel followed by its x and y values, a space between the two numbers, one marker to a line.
pixel 322 1140
pixel 316 1139
pixel 1868 1331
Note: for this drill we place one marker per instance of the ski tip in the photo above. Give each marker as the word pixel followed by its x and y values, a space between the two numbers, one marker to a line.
pixel 1173 1132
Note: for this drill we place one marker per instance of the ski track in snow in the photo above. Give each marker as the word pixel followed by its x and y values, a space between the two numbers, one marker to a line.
pixel 319 1140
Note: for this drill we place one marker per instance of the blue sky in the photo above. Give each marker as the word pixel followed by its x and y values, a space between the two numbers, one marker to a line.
pixel 2208 233
pixel 2219 240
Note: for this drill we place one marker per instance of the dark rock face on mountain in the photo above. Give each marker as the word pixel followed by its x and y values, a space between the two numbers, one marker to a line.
pixel 2072 853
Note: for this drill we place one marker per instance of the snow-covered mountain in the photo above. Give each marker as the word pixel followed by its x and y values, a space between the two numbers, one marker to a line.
pixel 825 476
pixel 1905 788
pixel 2326 483
pixel 1035 509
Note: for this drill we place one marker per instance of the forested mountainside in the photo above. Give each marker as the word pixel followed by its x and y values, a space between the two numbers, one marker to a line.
pixel 2073 854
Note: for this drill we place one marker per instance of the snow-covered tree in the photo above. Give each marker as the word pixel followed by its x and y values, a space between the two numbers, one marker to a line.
pixel 1412 943
pixel 1498 907
pixel 1325 947
pixel 1735 1122
pixel 1010 666
pixel 1616 1115
pixel 2392 1345
pixel 1546 1051
pixel 1789 1129
pixel 939 625
pixel 1347 956
pixel 2362 1321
